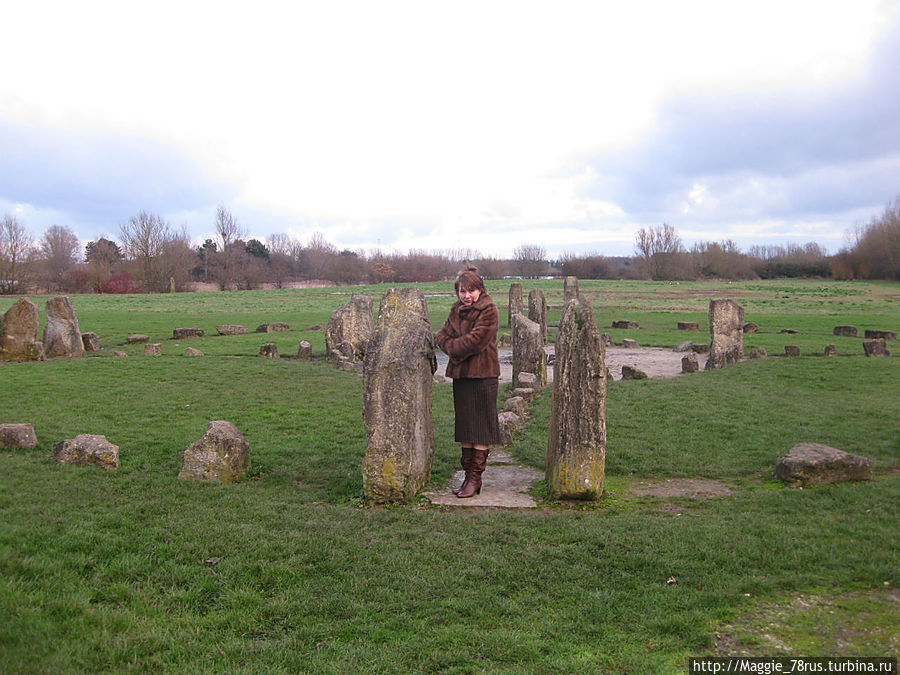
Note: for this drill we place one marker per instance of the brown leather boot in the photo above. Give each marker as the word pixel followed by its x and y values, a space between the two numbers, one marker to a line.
pixel 472 486
pixel 466 461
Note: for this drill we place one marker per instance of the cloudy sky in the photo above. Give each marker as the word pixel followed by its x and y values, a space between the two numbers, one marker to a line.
pixel 439 126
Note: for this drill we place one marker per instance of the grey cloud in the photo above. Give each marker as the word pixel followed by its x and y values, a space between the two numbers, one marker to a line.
pixel 99 180
pixel 790 154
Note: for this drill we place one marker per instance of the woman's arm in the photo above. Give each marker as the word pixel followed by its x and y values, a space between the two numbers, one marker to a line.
pixel 475 340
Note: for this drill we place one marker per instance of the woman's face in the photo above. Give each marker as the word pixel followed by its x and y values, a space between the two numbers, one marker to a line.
pixel 469 297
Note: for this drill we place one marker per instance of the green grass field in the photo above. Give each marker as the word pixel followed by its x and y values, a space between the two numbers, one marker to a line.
pixel 108 572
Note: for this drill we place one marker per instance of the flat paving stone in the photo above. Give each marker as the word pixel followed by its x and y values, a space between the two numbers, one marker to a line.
pixel 503 484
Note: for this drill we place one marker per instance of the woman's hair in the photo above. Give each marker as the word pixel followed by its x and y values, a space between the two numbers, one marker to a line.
pixel 469 280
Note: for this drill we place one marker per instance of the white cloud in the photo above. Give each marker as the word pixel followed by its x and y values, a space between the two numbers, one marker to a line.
pixel 450 119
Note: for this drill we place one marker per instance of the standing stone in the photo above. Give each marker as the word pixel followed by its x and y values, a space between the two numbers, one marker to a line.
pixel 62 336
pixel 87 449
pixel 153 349
pixel 19 333
pixel 830 350
pixel 269 350
pixel 726 331
pixel 628 343
pixel 576 451
pixel 537 311
pixel 846 331
pixel 689 363
pixel 791 350
pixel 349 328
pixel 222 455
pixel 570 289
pixel 304 353
pixel 883 334
pixel 758 353
pixel 17 436
pixel 625 324
pixel 90 341
pixel 528 351
pixel 397 369
pixel 875 347
pixel 688 325
pixel 136 339
pixel 516 305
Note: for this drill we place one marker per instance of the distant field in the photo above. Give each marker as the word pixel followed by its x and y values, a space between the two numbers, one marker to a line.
pixel 109 572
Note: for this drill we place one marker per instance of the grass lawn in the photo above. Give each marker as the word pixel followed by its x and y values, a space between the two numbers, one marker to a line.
pixel 287 571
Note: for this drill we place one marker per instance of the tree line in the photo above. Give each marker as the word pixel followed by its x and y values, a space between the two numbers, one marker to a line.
pixel 152 256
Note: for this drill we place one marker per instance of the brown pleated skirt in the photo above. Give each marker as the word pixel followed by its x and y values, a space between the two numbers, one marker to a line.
pixel 475 403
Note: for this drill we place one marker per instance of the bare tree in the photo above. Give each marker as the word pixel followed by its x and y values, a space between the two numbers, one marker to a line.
pixel 662 253
pixel 875 253
pixel 530 260
pixel 317 256
pixel 144 240
pixel 58 252
pixel 230 253
pixel 16 255
pixel 282 250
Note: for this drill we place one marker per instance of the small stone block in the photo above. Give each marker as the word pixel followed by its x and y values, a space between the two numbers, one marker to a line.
pixel 875 347
pixel 269 350
pixel 153 349
pixel 632 373
pixel 17 436
pixel 87 449
pixel 814 464
pixel 90 341
pixel 185 333
pixel 231 329
pixel 791 350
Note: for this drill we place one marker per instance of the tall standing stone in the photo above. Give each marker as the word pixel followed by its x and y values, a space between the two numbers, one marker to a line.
pixel 516 304
pixel 19 333
pixel 528 350
pixel 62 337
pixel 726 331
pixel 570 288
pixel 348 330
pixel 537 311
pixel 397 380
pixel 576 451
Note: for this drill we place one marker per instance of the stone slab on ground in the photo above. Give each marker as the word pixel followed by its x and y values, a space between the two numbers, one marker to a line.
pixel 815 464
pixel 504 485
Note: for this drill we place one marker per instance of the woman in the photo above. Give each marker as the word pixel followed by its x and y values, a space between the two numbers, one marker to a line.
pixel 469 338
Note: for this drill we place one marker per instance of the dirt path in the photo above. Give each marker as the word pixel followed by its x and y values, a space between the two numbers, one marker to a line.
pixel 655 361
